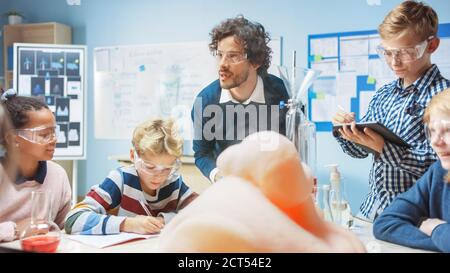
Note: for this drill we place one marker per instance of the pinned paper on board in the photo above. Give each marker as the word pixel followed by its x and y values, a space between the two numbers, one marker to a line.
pixel 329 67
pixel 371 80
pixel 357 64
pixel 56 73
pixel 354 46
pixel 364 100
pixel 326 47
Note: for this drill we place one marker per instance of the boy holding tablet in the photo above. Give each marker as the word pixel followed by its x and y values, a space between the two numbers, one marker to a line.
pixel 408 38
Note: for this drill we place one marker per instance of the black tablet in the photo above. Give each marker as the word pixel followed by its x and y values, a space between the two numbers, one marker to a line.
pixel 387 134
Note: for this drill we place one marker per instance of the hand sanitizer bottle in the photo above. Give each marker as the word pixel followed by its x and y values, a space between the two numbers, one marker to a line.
pixel 340 208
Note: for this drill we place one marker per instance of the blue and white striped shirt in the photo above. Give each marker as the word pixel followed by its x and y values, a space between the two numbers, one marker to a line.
pixel 107 204
pixel 401 110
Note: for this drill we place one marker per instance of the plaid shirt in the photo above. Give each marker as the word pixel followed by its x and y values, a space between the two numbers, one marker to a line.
pixel 401 110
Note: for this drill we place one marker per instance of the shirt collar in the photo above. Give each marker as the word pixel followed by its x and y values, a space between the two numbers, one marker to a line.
pixel 257 94
pixel 421 83
pixel 41 173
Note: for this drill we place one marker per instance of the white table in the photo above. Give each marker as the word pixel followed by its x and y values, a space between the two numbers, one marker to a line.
pixel 362 229
pixel 69 246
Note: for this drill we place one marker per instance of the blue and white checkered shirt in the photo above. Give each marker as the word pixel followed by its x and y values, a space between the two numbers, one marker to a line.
pixel 401 110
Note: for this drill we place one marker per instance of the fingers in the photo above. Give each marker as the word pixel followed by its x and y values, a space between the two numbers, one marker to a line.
pixel 348 132
pixel 352 133
pixel 148 224
pixel 369 132
pixel 152 225
pixel 356 131
pixel 343 117
pixel 155 221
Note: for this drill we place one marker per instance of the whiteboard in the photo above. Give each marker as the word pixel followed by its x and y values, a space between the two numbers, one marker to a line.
pixel 57 74
pixel 137 82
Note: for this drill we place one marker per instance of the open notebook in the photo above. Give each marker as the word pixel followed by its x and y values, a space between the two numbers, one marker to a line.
pixel 102 241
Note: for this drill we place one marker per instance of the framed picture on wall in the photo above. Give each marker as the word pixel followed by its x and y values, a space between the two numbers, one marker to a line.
pixel 57 75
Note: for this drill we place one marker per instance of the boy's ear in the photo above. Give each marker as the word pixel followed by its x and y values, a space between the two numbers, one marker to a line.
pixel 132 155
pixel 433 45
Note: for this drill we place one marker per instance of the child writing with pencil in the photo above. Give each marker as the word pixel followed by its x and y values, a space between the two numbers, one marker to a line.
pixel 143 197
pixel 408 38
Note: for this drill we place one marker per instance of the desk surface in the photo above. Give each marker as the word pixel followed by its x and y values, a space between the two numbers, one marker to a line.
pixel 363 231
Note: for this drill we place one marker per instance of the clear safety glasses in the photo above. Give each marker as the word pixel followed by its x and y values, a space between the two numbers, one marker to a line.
pixel 155 170
pixel 39 135
pixel 233 57
pixel 438 130
pixel 407 54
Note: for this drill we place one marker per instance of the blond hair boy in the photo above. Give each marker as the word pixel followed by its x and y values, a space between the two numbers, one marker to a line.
pixel 141 198
pixel 419 218
pixel 408 38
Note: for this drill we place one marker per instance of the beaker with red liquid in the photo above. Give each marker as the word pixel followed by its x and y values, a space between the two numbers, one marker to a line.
pixel 40 243
pixel 42 234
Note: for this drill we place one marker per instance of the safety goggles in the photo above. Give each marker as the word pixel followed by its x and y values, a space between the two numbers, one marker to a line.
pixel 233 57
pixel 438 130
pixel 156 170
pixel 407 54
pixel 39 135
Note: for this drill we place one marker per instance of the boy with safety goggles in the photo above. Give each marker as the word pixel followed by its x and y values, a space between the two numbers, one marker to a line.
pixel 408 38
pixel 140 198
pixel 419 218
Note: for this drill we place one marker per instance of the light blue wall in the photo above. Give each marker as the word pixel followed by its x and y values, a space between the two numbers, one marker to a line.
pixel 117 22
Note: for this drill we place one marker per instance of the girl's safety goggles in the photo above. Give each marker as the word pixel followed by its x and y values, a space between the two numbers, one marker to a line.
pixel 39 135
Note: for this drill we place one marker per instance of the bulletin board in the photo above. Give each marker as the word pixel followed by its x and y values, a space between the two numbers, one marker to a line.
pixel 133 83
pixel 352 71
pixel 57 75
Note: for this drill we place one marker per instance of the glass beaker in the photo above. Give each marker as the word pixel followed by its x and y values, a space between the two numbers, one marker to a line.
pixel 307 144
pixel 322 202
pixel 299 129
pixel 42 234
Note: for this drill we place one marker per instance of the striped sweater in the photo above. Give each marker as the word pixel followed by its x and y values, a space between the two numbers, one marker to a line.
pixel 107 205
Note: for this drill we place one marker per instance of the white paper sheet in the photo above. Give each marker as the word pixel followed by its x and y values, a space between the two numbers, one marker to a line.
pixel 374 41
pixel 329 68
pixel 102 241
pixel 346 84
pixel 24 85
pixel 323 109
pixel 73 88
pixel 325 85
pixel 76 116
pixel 354 46
pixel 325 47
pixel 364 100
pixel 379 69
pixel 359 64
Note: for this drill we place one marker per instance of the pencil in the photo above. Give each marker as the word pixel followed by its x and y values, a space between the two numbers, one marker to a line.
pixel 144 207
